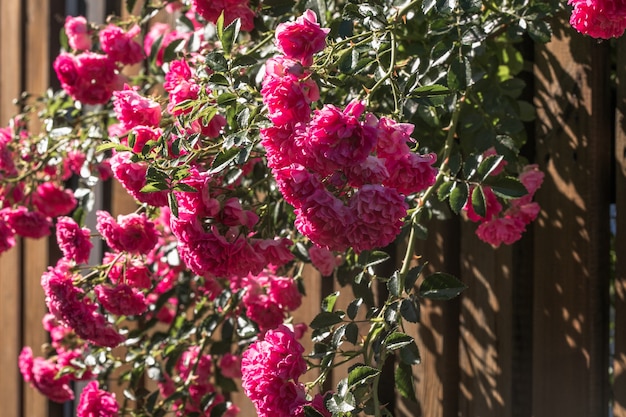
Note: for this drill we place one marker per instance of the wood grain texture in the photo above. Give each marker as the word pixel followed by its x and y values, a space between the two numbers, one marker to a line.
pixel 11 387
pixel 570 354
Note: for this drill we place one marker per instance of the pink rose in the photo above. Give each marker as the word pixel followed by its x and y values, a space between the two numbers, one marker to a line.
pixel 78 33
pixel 96 402
pixel 301 39
pixel 120 46
pixel 133 110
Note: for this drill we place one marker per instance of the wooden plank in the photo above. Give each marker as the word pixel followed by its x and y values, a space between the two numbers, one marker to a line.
pixel 10 282
pixel 619 361
pixel 485 346
pixel 437 334
pixel 36 252
pixel 570 338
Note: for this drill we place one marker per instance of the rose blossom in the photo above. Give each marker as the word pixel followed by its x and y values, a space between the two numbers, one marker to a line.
pixel 232 9
pixel 500 230
pixel 52 200
pixel 132 233
pixel 301 39
pixel 603 19
pixel 288 98
pixel 230 365
pixel 336 139
pixel 41 374
pixel 121 299
pixel 73 240
pixel 120 46
pixel 132 109
pixel 324 260
pixel 78 34
pixel 96 402
pixel 379 212
pixel 132 176
pixel 33 224
pixel 492 205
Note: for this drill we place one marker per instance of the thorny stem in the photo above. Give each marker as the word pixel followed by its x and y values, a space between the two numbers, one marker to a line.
pixel 443 171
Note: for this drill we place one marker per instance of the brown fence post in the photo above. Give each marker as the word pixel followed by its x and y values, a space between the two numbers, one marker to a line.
pixel 570 354
pixel 619 384
pixel 10 283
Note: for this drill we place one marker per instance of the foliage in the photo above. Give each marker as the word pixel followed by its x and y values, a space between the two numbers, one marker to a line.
pixel 252 152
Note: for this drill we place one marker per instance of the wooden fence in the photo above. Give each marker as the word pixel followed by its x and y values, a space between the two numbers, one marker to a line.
pixel 540 331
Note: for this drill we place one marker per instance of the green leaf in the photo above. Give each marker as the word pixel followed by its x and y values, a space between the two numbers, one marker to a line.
pixel 411 277
pixel 403 377
pixel 181 186
pixel 310 411
pixel 410 310
pixel 226 98
pixel 111 145
pixel 459 74
pixel 427 5
pixel 374 258
pixel 487 166
pixel 393 285
pixel 410 354
pixel 507 187
pixel 328 303
pixel 397 340
pixel 478 201
pixel 441 286
pixel 216 61
pixel 353 308
pixel 352 333
pixel 361 374
pixel 458 197
pixel 130 5
pixel 153 187
pixel 444 190
pixel 430 91
pixel 325 319
pixel 223 159
pixel 228 35
pixel 173 204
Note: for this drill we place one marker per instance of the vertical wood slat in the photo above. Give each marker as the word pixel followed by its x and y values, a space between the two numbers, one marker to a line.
pixel 437 377
pixel 10 282
pixel 619 384
pixel 36 254
pixel 570 353
pixel 485 344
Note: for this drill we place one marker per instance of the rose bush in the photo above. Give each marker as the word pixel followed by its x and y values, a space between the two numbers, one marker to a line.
pixel 257 137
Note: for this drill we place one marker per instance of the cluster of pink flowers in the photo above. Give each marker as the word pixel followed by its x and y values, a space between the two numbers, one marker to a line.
pixel 43 373
pixel 340 171
pixel 90 76
pixel 72 308
pixel 270 371
pixel 603 19
pixel 46 202
pixel 195 366
pixel 181 83
pixel 214 233
pixel 268 298
pixel 211 10
pixel 498 226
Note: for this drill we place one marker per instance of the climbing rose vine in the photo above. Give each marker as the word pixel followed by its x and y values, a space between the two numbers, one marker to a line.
pixel 256 138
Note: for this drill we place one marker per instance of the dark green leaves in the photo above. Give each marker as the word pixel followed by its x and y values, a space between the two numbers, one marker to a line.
pixel 441 286
pixel 326 319
pixel 361 374
pixel 507 187
pixel 228 35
